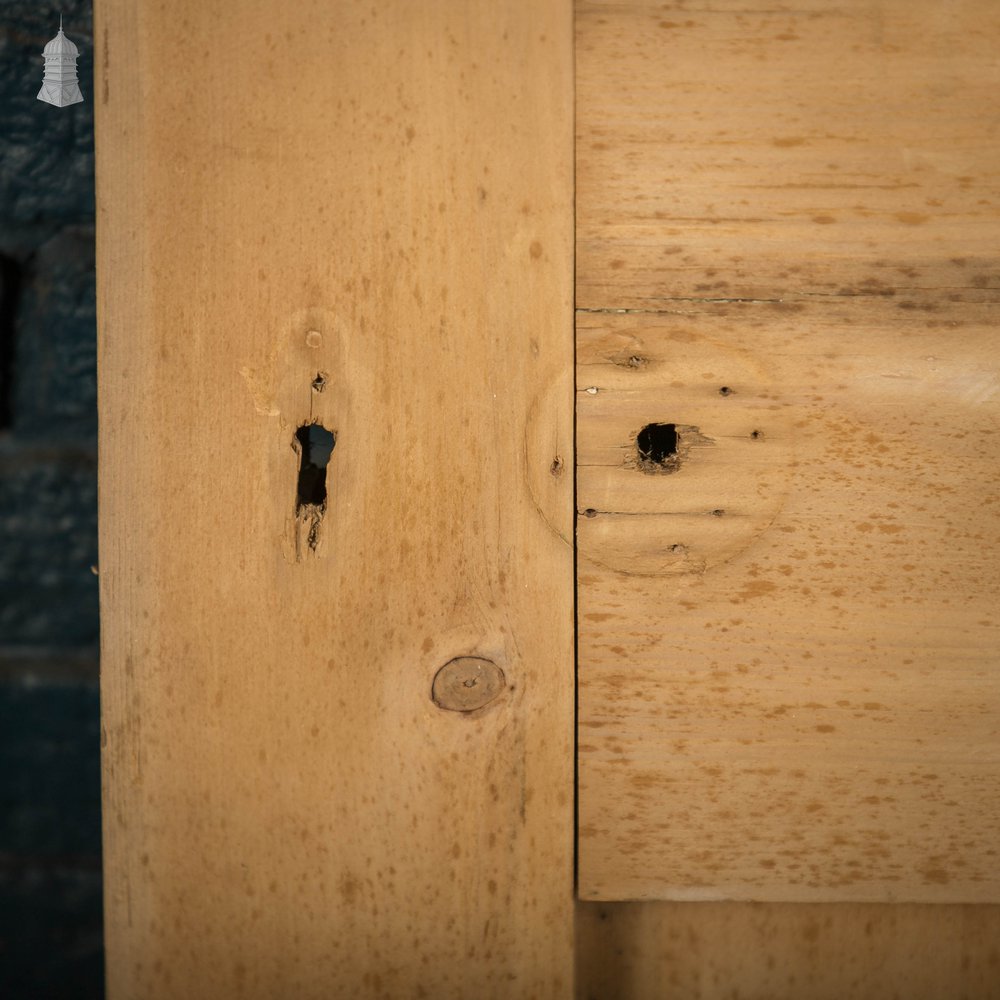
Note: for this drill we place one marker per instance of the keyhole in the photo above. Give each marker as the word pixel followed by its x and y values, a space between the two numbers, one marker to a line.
pixel 316 445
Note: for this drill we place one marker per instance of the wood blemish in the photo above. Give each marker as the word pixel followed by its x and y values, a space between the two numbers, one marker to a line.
pixel 314 445
pixel 662 448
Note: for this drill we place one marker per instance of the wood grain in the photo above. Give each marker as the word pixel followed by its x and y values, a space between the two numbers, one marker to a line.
pixel 763 951
pixel 747 150
pixel 357 215
pixel 789 686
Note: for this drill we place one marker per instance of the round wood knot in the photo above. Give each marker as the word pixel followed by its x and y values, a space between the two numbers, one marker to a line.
pixel 467 683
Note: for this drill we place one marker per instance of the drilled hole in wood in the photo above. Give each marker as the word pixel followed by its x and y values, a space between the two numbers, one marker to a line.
pixel 725 391
pixel 657 446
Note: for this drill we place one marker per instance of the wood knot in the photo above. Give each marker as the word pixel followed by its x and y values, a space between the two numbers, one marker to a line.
pixel 467 683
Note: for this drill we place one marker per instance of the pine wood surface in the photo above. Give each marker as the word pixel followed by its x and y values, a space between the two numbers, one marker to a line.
pixel 799 951
pixel 357 215
pixel 744 150
pixel 788 680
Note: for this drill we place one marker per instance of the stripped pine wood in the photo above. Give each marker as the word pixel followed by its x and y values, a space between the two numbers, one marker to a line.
pixel 760 951
pixel 740 150
pixel 788 690
pixel 789 686
pixel 358 217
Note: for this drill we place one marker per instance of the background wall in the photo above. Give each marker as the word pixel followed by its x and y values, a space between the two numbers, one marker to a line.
pixel 50 874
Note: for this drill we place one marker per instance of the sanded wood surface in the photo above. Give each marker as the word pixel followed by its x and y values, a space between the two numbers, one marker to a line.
pixel 765 951
pixel 739 149
pixel 361 216
pixel 789 679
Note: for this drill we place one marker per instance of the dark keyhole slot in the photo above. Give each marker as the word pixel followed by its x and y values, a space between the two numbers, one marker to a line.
pixel 657 443
pixel 316 446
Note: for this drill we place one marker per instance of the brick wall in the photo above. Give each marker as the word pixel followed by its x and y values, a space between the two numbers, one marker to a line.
pixel 50 877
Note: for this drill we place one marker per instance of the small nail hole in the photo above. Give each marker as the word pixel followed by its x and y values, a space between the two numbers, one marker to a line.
pixel 756 435
pixel 718 512
pixel 725 391
pixel 590 512
pixel 319 382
